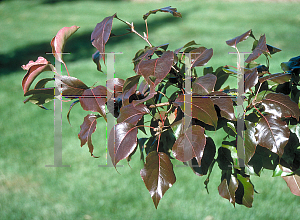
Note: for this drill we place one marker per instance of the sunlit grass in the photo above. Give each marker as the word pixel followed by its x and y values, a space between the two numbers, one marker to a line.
pixel 29 190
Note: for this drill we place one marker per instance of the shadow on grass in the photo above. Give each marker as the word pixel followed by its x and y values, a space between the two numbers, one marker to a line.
pixel 79 45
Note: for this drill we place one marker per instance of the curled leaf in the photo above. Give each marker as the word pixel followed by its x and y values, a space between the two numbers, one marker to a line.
pixel 34 69
pixel 88 127
pixel 259 49
pixel 168 9
pixel 69 86
pixel 233 42
pixel 158 175
pixel 58 42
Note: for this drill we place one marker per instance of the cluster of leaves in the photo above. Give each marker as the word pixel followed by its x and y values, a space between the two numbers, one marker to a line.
pixel 158 115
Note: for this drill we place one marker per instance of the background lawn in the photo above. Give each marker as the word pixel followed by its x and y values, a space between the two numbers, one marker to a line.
pixel 29 190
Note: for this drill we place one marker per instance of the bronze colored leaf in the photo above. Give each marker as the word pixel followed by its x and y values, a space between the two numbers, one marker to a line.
pixel 190 144
pixel 225 104
pixel 158 175
pixel 202 109
pixel 33 70
pixel 277 78
pixel 88 127
pixel 259 49
pixel 132 114
pixel 69 86
pixel 293 182
pixel 280 105
pixel 122 141
pixel 233 42
pixel 227 191
pixel 94 100
pixel 58 42
pixel 205 84
pixel 200 56
pixel 101 34
pixel 272 133
pixel 168 9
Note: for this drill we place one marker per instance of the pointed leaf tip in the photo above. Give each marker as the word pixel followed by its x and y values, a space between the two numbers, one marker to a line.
pixel 158 175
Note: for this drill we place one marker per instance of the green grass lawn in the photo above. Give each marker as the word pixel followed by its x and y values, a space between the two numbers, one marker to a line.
pixel 29 190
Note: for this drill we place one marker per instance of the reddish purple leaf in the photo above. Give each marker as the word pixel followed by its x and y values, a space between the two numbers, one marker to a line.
pixel 70 87
pixel 122 141
pixel 227 191
pixel 88 127
pixel 168 9
pixel 202 109
pixel 293 182
pixel 94 100
pixel 205 84
pixel 190 144
pixel 272 133
pixel 158 175
pixel 233 42
pixel 225 104
pixel 280 105
pixel 101 34
pixel 277 78
pixel 132 114
pixel 250 79
pixel 158 68
pixel 259 49
pixel 115 84
pixel 33 70
pixel 58 42
pixel 200 56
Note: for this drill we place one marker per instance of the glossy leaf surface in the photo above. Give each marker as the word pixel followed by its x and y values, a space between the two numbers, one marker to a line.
pixel 227 190
pixel 200 56
pixel 158 175
pixel 202 109
pixel 247 198
pixel 132 114
pixel 249 141
pixel 205 84
pixel 277 78
pixel 280 105
pixel 190 144
pixel 69 86
pixel 122 141
pixel 225 104
pixel 272 133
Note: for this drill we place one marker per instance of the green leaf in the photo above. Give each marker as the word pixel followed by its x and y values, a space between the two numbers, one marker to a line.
pixel 158 175
pixel 168 9
pixel 247 198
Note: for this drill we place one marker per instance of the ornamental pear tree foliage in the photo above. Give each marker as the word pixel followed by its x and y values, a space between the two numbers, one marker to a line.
pixel 160 119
